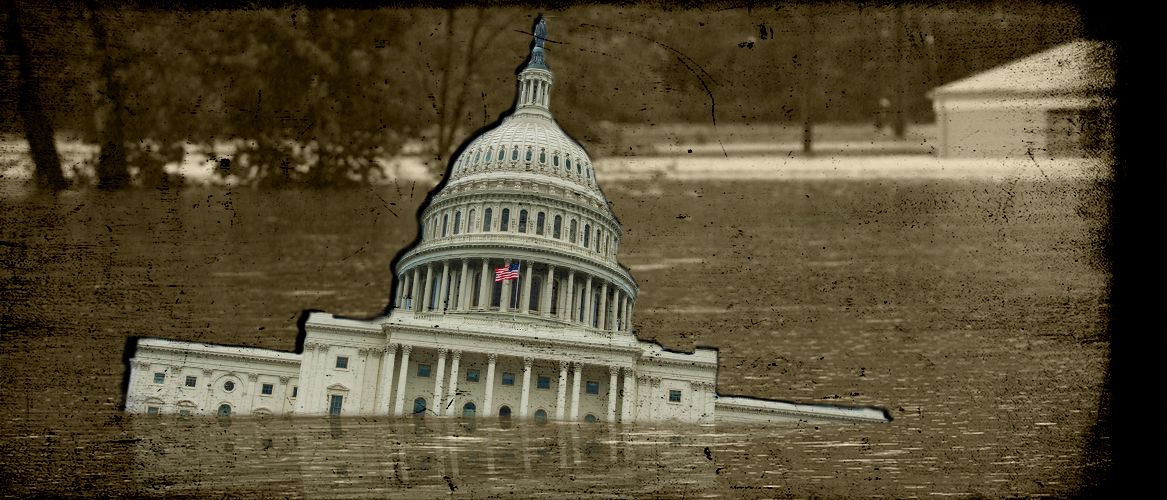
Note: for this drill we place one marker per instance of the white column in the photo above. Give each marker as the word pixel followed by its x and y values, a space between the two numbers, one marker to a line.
pixel 463 283
pixel 400 292
pixel 252 393
pixel 319 402
pixel 362 403
pixel 429 283
pixel 436 404
pixel 587 306
pixel 398 404
pixel 602 321
pixel 577 372
pixel 561 400
pixel 488 400
pixel 526 397
pixel 483 285
pixel 612 371
pixel 504 300
pixel 624 313
pixel 564 300
pixel 443 287
pixel 570 304
pixel 548 284
pixel 306 363
pixel 451 403
pixel 385 379
pixel 415 294
pixel 629 387
pixel 528 275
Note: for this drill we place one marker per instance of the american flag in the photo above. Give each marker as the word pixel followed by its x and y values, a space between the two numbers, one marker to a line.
pixel 510 272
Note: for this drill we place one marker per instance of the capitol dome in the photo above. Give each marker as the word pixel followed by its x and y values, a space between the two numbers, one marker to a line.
pixel 521 193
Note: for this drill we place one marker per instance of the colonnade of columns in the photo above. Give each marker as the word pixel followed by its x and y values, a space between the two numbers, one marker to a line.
pixel 446 397
pixel 468 285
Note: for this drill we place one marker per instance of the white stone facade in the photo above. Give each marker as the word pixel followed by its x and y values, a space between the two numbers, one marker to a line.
pixel 556 343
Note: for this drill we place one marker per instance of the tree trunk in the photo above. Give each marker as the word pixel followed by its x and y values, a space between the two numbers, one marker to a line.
pixel 901 66
pixel 38 128
pixel 808 81
pixel 112 171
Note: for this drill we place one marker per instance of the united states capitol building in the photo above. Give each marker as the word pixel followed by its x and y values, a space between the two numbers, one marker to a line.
pixel 511 305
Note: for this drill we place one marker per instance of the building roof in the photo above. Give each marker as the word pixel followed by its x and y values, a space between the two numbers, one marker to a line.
pixel 1081 66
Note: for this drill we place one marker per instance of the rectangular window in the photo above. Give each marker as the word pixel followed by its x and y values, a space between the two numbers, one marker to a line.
pixel 593 387
pixel 266 389
pixel 423 370
pixel 342 362
pixel 295 390
pixel 334 404
pixel 508 378
pixel 184 413
pixel 543 383
pixel 159 378
pixel 191 381
pixel 674 396
pixel 471 375
pixel 152 410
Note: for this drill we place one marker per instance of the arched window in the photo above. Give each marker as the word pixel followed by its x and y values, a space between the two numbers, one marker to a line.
pixel 488 152
pixel 468 410
pixel 457 222
pixel 587 234
pixel 470 221
pixel 486 220
pixel 567 166
pixel 502 153
pixel 529 153
pixel 504 412
pixel 224 410
pixel 515 153
pixel 522 221
pixel 539 224
pixel 555 160
pixel 419 407
pixel 445 223
pixel 541 417
pixel 590 418
pixel 577 170
pixel 504 221
pixel 571 231
pixel 477 156
pixel 556 227
pixel 597 240
pixel 542 155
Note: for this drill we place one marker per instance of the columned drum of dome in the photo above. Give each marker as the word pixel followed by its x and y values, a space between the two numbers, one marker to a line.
pixel 512 303
pixel 529 171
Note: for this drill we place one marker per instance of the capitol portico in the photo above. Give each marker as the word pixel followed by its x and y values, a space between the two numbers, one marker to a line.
pixel 511 305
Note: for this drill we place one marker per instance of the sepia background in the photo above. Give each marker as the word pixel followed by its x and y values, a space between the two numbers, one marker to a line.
pixel 209 175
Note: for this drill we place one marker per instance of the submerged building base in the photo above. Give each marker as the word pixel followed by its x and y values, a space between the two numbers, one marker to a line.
pixel 453 365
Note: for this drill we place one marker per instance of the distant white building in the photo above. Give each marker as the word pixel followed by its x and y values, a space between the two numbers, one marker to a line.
pixel 554 342
pixel 1055 103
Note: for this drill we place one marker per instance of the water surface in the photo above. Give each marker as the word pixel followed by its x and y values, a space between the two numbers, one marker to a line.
pixel 974 311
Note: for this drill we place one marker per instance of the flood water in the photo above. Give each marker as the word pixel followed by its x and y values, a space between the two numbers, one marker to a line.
pixel 974 311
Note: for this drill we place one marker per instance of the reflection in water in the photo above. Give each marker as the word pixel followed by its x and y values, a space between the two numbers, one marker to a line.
pixel 405 457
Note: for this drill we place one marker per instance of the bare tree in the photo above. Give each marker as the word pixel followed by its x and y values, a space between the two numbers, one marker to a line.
pixel 112 170
pixel 38 128
pixel 455 80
